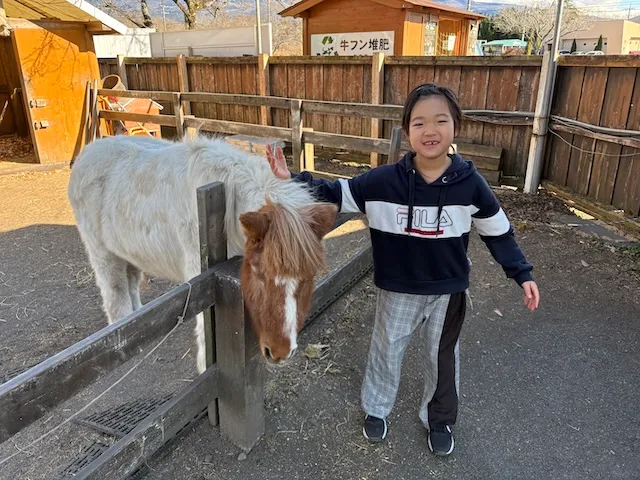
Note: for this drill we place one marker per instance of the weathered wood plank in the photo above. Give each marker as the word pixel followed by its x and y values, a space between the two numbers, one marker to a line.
pixel 474 85
pixel 619 61
pixel 615 112
pixel 235 128
pixel 347 142
pixel 152 95
pixel 580 163
pixel 333 87
pixel 387 112
pixel 213 250
pixel 566 100
pixel 319 60
pixel 244 99
pixel 133 450
pixel 279 89
pixel 244 60
pixel 297 135
pixel 352 92
pixel 164 120
pixel 234 85
pixel 239 362
pixel 491 61
pixel 29 396
pixel 314 82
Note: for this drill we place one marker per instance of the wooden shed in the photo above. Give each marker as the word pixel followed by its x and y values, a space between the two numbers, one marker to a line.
pixel 394 27
pixel 48 56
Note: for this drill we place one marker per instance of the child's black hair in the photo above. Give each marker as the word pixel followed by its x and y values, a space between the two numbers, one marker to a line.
pixel 427 90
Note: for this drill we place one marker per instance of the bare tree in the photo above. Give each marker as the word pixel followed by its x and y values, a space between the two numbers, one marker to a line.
pixel 536 21
pixel 146 14
pixel 287 32
pixel 190 9
pixel 111 6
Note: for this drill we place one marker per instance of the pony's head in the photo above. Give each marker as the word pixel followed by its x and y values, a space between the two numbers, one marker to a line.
pixel 283 253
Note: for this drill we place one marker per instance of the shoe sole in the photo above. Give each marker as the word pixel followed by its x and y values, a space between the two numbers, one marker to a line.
pixel 441 454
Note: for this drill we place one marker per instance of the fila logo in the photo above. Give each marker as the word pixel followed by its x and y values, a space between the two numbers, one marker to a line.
pixel 424 218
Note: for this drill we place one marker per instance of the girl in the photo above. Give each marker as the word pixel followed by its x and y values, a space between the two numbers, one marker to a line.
pixel 420 212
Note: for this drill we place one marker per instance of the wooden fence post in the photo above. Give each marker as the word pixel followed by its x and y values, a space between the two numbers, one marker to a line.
pixel 377 96
pixel 309 152
pixel 183 81
pixel 264 87
pixel 179 114
pixel 540 123
pixel 213 250
pixel 122 71
pixel 296 135
pixel 240 366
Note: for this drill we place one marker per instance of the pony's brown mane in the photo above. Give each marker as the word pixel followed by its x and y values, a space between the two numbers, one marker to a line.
pixel 290 247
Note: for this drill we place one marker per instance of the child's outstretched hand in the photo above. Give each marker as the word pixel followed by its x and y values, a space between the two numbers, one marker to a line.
pixel 278 163
pixel 531 295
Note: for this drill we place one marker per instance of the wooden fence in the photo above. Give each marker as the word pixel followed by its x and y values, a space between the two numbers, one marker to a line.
pixel 594 144
pixel 485 84
pixel 233 379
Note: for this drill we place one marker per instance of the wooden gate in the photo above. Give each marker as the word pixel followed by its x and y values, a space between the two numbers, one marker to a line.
pixel 55 64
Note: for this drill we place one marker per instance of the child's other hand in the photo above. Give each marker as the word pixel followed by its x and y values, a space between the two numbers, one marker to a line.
pixel 531 295
pixel 278 163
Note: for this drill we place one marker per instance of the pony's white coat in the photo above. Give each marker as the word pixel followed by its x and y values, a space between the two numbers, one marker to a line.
pixel 134 199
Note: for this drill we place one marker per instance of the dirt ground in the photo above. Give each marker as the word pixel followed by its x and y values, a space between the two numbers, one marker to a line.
pixel 550 394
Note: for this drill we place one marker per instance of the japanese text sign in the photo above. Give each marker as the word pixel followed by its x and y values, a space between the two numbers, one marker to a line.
pixel 347 44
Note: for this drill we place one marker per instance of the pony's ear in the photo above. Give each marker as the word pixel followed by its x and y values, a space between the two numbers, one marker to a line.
pixel 321 217
pixel 255 224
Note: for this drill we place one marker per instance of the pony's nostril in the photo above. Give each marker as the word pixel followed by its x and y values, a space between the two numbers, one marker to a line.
pixel 292 353
pixel 267 352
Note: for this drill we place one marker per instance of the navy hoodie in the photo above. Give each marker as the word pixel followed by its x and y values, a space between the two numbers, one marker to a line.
pixel 420 231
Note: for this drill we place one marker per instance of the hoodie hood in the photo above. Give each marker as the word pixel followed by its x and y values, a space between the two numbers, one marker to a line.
pixel 457 171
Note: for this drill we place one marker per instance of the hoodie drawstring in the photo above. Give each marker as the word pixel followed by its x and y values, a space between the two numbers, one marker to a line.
pixel 412 182
pixel 440 205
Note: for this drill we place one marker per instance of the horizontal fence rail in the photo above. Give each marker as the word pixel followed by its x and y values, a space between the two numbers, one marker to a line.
pixel 27 397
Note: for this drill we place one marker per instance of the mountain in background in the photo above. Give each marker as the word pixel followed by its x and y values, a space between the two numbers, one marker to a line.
pixel 172 12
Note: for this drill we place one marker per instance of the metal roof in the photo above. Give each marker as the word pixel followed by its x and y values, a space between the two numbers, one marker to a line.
pixel 67 10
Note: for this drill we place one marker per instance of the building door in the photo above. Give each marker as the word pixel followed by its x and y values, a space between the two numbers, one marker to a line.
pixel 56 62
pixel 448 37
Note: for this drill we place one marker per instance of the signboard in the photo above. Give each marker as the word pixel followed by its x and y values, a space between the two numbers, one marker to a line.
pixel 348 44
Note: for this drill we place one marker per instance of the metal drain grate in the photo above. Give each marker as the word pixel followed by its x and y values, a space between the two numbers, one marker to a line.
pixel 121 419
pixel 5 377
pixel 88 455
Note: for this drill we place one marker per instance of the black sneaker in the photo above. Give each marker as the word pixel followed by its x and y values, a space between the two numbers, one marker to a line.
pixel 441 440
pixel 375 429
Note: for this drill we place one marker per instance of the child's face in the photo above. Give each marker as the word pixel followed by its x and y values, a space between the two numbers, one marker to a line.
pixel 431 128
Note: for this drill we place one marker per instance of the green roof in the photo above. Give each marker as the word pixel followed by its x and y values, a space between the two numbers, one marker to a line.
pixel 514 42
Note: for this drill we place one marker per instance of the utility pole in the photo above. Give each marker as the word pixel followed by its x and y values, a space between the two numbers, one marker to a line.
pixel 543 108
pixel 259 24
pixel 468 4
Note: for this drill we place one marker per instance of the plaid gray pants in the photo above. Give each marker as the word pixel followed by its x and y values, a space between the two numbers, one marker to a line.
pixel 440 319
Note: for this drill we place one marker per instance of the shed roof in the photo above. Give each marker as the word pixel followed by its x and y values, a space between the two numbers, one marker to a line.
pixel 304 5
pixel 67 10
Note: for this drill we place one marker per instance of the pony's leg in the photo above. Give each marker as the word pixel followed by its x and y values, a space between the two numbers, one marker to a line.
pixel 134 277
pixel 111 278
pixel 193 270
pixel 200 342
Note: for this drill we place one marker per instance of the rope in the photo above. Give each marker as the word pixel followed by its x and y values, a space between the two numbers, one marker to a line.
pixel 56 428
pixel 593 152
